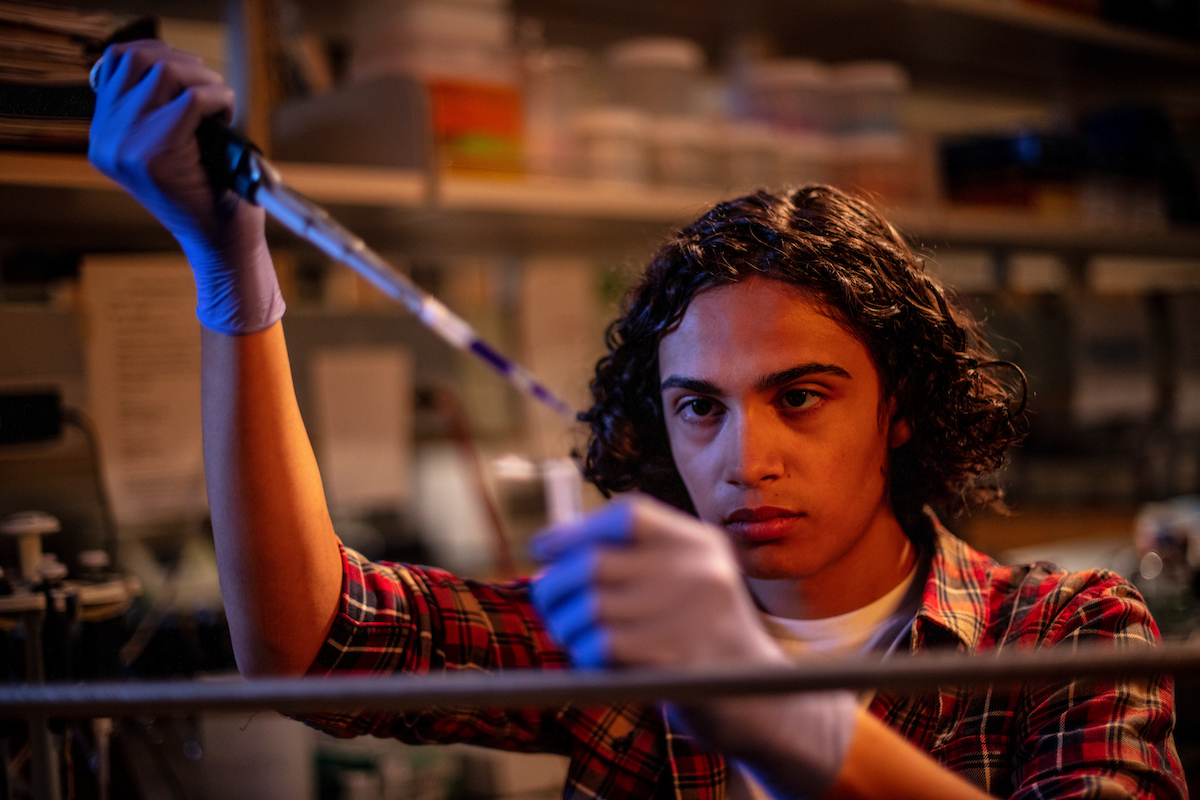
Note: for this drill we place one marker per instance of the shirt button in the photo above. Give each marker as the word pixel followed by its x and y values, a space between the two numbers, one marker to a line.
pixel 622 743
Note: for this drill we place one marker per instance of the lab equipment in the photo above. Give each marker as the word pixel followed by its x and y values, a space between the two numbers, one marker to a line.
pixel 235 162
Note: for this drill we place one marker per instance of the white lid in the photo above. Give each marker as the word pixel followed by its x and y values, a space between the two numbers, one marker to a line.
pixel 24 522
pixel 611 121
pixel 435 22
pixel 868 75
pixel 657 51
pixel 790 72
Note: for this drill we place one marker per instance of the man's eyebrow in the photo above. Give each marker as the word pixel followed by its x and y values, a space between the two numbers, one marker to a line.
pixel 784 377
pixel 691 384
pixel 765 383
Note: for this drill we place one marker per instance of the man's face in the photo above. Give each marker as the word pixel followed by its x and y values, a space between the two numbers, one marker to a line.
pixel 774 415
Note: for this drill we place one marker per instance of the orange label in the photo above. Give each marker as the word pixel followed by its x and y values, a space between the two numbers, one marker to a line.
pixel 477 126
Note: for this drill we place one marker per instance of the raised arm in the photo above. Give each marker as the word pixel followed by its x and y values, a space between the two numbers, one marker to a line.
pixel 276 550
pixel 281 572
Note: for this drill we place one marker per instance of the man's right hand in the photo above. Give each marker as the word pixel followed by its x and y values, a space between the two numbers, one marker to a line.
pixel 150 100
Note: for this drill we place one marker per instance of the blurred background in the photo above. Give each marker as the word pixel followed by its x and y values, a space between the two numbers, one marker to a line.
pixel 521 159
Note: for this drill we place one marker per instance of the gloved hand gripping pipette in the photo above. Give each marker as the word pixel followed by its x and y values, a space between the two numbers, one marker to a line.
pixel 234 162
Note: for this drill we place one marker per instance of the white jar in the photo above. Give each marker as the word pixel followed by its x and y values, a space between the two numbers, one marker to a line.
pixel 433 38
pixel 682 151
pixel 749 156
pixel 791 93
pixel 614 144
pixel 556 80
pixel 657 75
pixel 868 96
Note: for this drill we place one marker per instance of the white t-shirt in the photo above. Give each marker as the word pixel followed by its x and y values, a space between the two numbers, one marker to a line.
pixel 845 634
pixel 876 626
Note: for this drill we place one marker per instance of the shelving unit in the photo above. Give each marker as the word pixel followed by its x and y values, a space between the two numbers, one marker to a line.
pixel 397 208
pixel 1003 46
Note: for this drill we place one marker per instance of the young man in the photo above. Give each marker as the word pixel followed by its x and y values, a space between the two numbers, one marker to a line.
pixel 794 390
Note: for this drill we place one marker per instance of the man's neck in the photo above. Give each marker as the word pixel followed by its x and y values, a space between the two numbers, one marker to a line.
pixel 877 563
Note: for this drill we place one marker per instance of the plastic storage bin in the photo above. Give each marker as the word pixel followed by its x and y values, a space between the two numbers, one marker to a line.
pixel 791 93
pixel 657 75
pixel 614 144
pixel 868 96
pixel 682 152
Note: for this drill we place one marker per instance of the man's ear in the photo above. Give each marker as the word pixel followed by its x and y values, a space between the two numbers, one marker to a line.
pixel 899 432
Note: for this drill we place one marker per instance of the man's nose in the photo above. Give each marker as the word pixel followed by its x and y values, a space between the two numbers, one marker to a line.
pixel 753 448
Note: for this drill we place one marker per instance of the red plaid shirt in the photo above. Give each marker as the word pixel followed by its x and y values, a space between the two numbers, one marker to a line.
pixel 1099 740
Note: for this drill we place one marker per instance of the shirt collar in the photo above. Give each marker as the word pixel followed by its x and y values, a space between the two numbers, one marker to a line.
pixel 952 608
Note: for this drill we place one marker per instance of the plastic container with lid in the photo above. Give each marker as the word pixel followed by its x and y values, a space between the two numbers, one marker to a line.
pixel 556 88
pixel 461 51
pixel 748 156
pixel 868 96
pixel 682 151
pixel 462 39
pixel 657 75
pixel 792 93
pixel 614 144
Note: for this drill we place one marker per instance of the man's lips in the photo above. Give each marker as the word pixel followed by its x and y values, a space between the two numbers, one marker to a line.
pixel 761 524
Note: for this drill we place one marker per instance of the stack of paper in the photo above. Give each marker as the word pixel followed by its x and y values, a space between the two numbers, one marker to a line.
pixel 45 55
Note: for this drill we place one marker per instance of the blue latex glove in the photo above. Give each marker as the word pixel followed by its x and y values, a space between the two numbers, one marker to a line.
pixel 149 101
pixel 641 584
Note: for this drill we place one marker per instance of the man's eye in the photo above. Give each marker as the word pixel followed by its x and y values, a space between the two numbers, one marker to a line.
pixel 799 398
pixel 699 407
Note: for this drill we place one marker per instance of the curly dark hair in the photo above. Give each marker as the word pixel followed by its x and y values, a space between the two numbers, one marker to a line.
pixel 932 360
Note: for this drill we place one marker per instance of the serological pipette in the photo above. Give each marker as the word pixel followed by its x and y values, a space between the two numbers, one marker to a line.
pixel 234 162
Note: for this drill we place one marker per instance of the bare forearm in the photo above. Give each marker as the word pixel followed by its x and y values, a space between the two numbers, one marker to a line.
pixel 881 765
pixel 801 745
pixel 276 550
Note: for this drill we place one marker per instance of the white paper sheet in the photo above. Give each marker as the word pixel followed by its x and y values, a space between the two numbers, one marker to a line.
pixel 364 406
pixel 142 342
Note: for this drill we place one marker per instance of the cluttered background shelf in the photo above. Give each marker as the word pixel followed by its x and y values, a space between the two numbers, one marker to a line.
pixel 521 159
pixel 425 209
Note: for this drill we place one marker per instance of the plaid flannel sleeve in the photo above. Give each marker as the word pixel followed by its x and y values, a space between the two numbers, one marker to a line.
pixel 402 618
pixel 1099 739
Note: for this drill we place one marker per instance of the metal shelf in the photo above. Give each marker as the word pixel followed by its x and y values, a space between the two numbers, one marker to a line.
pixel 998 46
pixel 57 199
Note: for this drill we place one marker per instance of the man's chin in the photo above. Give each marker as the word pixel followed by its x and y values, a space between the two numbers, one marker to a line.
pixel 767 563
